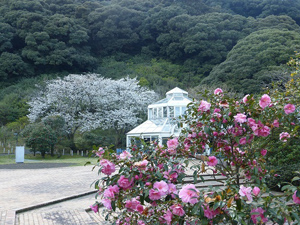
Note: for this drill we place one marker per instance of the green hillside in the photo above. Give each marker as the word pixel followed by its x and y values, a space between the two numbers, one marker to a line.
pixel 241 45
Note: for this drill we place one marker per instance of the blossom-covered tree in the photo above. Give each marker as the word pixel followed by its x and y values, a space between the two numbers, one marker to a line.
pixel 89 101
pixel 149 186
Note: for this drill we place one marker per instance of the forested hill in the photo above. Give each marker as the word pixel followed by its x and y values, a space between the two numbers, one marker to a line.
pixel 240 43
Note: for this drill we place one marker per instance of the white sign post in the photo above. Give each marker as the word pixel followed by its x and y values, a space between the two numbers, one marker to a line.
pixel 20 153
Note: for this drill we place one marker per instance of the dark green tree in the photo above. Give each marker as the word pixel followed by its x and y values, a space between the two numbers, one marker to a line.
pixel 264 50
pixel 115 28
pixel 12 107
pixel 39 137
pixel 12 66
pixel 57 124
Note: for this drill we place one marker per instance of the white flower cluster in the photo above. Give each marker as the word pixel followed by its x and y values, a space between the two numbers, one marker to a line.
pixel 89 101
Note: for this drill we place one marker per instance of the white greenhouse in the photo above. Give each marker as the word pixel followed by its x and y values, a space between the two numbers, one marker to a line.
pixel 162 120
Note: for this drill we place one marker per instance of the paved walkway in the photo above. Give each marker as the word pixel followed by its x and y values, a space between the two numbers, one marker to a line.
pixel 25 186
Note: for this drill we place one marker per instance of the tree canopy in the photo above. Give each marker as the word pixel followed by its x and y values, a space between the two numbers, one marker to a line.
pixel 87 102
pixel 51 36
pixel 249 64
pixel 237 43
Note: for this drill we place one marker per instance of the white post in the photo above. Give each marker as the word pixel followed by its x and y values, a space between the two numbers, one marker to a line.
pixel 4 150
pixel 81 153
pixel 77 152
pixel 20 154
pixel 8 152
pixel 71 152
pixel 87 152
pixel 63 152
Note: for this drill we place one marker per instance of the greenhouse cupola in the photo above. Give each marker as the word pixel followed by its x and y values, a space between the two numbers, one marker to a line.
pixel 162 120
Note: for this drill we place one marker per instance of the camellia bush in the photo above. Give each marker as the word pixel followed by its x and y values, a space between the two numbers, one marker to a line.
pixel 145 185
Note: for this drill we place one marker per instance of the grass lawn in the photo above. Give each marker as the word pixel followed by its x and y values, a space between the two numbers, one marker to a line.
pixel 79 160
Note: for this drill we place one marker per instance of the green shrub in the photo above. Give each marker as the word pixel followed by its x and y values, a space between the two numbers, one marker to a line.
pixel 281 174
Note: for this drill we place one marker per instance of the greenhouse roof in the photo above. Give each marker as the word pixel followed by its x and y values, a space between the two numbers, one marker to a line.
pixel 154 126
pixel 174 97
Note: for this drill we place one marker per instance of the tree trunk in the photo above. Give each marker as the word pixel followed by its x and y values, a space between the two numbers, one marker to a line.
pixel 52 150
pixel 72 143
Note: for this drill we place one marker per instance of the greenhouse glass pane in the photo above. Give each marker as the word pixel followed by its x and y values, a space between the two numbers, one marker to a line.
pixel 165 111
pixel 150 114
pixel 159 112
pixel 171 111
pixel 177 111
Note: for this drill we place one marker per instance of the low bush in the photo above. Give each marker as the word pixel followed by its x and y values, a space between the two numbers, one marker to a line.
pixel 281 175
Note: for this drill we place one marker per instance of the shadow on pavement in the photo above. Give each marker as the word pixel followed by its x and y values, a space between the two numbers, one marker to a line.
pixel 34 165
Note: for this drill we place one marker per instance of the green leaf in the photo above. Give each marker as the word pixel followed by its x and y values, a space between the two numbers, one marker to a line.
pixel 181 221
pixel 87 163
pixel 113 205
pixel 295 179
pixel 158 174
pixel 196 208
pixel 238 204
pixel 216 205
pixel 195 176
pixel 285 187
pixel 186 162
pixel 296 216
pixel 142 199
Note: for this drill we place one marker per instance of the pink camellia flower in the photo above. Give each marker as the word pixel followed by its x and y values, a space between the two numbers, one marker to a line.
pixel 289 108
pixel 218 91
pixel 125 155
pixel 259 128
pixel 263 152
pixel 212 161
pixel 141 164
pixel 154 194
pixel 124 182
pixel 168 217
pixel 172 189
pixel 210 213
pixel 245 99
pixel 284 136
pixel 259 212
pixel 140 222
pixel 204 106
pixel 94 208
pixel 276 123
pixel 162 186
pixel 131 204
pixel 111 191
pixel 177 209
pixel 134 205
pixel 243 141
pixel 172 145
pixel 100 152
pixel 246 192
pixel 108 167
pixel 107 203
pixel 240 118
pixel 295 198
pixel 256 191
pixel 189 194
pixel 264 101
pixel 140 208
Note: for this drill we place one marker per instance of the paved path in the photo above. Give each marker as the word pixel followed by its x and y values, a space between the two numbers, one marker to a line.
pixel 25 186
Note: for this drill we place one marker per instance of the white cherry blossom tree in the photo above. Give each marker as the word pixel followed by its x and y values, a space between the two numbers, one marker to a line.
pixel 87 102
